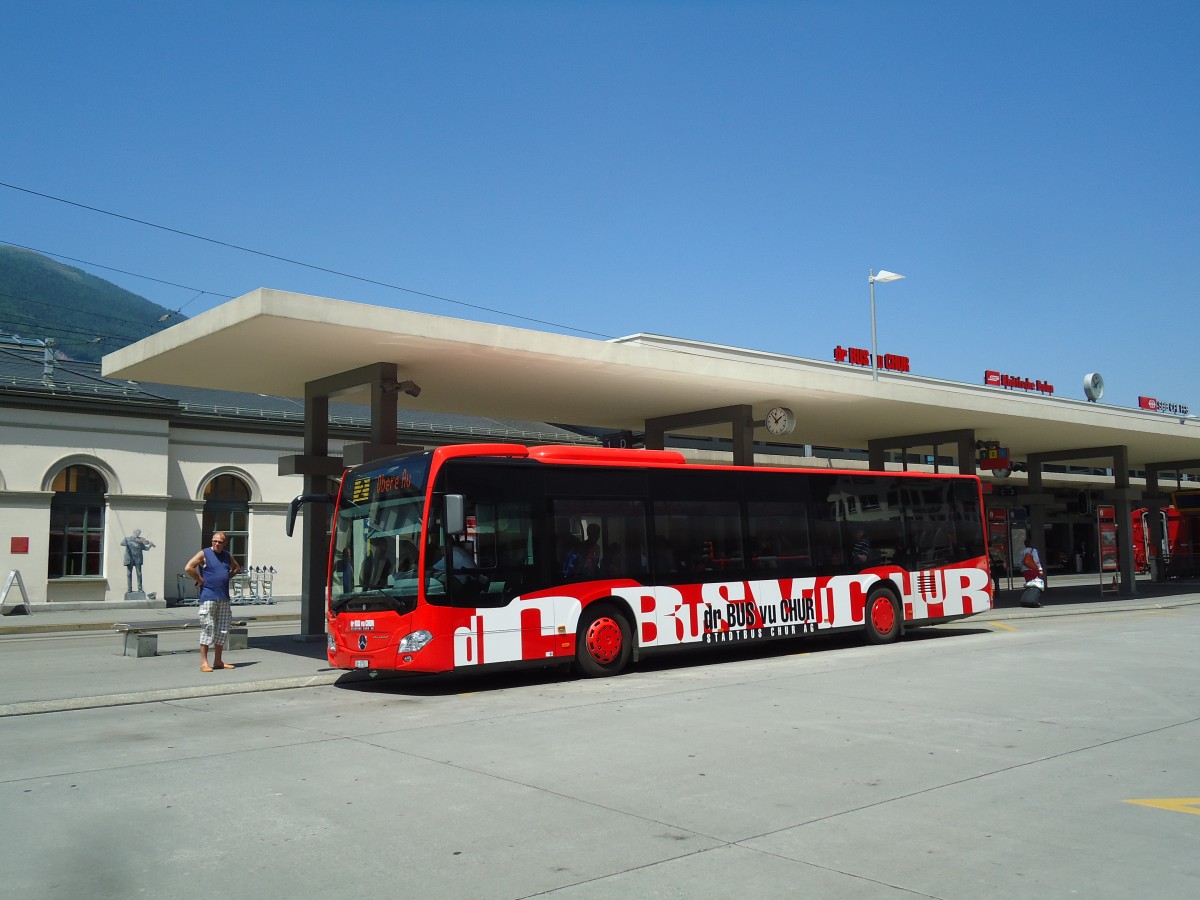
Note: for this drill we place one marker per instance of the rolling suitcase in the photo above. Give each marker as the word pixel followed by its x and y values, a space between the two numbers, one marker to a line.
pixel 1032 595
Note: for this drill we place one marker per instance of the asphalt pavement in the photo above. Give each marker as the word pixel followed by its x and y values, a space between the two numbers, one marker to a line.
pixel 54 660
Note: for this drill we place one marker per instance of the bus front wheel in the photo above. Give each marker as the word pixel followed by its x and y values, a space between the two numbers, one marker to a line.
pixel 883 616
pixel 604 643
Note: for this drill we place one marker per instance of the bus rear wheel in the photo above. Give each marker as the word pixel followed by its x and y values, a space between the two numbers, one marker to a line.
pixel 604 642
pixel 883 616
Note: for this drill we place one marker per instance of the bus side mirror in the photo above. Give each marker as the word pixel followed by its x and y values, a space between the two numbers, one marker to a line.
pixel 456 518
pixel 297 502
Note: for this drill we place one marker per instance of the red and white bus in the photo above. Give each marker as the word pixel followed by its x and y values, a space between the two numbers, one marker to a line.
pixel 501 555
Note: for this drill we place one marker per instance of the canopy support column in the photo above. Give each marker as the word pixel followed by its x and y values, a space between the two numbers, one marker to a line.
pixel 318 467
pixel 1121 497
pixel 739 417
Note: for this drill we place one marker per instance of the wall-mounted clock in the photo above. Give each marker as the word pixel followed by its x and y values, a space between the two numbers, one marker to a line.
pixel 780 420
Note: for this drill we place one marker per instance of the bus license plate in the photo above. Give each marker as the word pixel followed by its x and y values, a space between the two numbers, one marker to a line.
pixel 362 663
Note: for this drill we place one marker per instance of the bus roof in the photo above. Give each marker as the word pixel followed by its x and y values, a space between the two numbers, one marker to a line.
pixel 609 456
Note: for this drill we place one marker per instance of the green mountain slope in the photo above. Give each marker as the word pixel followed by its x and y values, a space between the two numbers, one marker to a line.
pixel 85 315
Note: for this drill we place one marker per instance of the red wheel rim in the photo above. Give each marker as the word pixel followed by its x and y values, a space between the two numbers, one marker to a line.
pixel 883 615
pixel 603 640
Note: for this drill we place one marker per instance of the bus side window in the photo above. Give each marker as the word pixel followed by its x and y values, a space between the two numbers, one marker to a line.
pixel 598 538
pixel 504 547
pixel 780 535
pixel 566 555
pixel 693 537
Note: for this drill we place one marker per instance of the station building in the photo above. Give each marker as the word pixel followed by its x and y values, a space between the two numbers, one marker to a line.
pixel 170 442
pixel 86 460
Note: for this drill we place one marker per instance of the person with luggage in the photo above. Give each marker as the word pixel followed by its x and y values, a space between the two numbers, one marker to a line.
pixel 1034 574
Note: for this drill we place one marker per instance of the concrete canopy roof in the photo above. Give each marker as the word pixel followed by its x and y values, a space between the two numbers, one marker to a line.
pixel 274 342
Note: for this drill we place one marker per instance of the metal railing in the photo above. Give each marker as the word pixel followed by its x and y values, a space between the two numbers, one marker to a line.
pixel 253 585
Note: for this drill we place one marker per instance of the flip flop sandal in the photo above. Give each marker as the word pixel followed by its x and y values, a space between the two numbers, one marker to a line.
pixel 206 668
pixel 228 666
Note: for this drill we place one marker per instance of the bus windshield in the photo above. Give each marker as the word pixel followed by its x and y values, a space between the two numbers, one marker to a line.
pixel 377 534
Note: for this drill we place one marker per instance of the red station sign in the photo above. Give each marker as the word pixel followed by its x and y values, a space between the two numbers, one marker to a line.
pixel 1174 409
pixel 992 378
pixel 855 356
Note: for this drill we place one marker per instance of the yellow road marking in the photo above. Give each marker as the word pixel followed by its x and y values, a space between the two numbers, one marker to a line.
pixel 1174 804
pixel 1002 625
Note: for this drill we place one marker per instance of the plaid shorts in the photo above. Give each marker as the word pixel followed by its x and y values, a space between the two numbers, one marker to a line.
pixel 215 617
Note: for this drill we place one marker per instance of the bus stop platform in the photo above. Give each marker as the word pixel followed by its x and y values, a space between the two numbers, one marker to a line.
pixel 55 660
pixel 46 618
pixel 1064 593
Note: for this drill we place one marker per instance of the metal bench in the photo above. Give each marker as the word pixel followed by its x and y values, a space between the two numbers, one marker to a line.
pixel 141 638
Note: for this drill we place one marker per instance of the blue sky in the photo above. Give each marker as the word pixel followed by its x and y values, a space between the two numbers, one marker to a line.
pixel 721 171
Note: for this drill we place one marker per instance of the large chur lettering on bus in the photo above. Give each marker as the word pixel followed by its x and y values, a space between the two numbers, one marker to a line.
pixel 544 626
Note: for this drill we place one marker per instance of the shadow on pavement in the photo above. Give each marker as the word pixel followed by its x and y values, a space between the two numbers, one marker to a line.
pixel 1076 591
pixel 291 645
pixel 1070 591
pixel 677 658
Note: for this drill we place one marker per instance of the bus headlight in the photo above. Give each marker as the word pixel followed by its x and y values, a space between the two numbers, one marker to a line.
pixel 330 643
pixel 411 643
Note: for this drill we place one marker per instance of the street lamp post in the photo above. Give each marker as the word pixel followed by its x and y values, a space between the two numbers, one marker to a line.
pixel 872 277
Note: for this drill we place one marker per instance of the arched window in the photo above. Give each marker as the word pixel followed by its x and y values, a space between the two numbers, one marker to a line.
pixel 77 522
pixel 227 509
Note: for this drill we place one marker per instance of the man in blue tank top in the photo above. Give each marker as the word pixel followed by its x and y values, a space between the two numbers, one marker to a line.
pixel 211 569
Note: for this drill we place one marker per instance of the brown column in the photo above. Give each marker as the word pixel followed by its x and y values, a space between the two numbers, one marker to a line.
pixel 317 467
pixel 1121 498
pixel 740 418
pixel 315 542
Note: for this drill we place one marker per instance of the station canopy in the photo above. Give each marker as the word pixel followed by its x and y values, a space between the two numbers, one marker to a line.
pixel 274 342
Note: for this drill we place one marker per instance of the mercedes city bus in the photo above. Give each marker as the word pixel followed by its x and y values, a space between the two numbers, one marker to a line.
pixel 501 554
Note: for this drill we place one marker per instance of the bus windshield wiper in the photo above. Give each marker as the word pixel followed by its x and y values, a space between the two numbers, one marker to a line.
pixel 399 604
pixel 345 599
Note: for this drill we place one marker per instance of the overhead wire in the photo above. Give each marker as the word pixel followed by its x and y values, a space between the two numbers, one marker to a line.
pixel 186 287
pixel 88 312
pixel 36 328
pixel 173 311
pixel 297 262
pixel 31 326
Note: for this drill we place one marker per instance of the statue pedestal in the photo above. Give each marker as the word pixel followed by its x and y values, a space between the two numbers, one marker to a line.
pixel 139 599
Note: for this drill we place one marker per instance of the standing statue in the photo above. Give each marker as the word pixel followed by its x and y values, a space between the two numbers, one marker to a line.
pixel 134 546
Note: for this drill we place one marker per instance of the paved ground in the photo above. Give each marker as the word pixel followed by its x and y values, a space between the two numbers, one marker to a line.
pixel 1000 757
